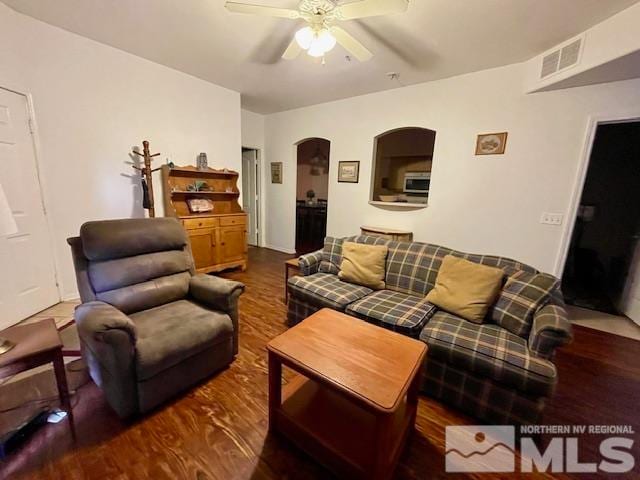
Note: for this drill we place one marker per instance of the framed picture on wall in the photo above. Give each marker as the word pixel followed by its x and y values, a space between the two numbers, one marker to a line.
pixel 276 172
pixel 491 143
pixel 348 172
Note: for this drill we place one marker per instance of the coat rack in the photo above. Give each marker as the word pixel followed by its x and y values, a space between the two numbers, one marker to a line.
pixel 147 182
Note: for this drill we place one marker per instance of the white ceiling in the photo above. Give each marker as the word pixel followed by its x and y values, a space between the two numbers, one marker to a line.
pixel 434 39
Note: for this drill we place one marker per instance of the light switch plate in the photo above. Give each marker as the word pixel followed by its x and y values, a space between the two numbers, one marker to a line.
pixel 551 218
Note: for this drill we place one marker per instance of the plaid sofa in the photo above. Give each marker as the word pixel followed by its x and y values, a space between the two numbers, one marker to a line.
pixel 498 375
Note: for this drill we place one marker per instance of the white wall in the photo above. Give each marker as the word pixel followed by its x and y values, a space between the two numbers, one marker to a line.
pixel 606 41
pixel 482 204
pixel 252 130
pixel 93 103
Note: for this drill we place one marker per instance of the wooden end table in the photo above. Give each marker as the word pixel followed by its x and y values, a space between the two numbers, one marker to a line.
pixel 36 344
pixel 355 399
pixel 291 264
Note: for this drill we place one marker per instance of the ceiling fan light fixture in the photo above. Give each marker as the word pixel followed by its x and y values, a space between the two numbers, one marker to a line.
pixel 316 50
pixel 322 43
pixel 305 37
pixel 327 40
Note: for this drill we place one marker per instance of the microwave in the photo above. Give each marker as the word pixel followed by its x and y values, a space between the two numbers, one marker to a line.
pixel 417 182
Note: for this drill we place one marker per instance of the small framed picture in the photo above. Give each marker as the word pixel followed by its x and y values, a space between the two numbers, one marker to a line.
pixel 276 172
pixel 491 143
pixel 348 172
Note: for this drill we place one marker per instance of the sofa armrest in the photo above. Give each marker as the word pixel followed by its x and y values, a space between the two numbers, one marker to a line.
pixel 310 263
pixel 108 338
pixel 551 329
pixel 218 293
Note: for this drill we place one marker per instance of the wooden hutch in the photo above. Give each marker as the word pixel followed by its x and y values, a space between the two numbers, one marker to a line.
pixel 218 238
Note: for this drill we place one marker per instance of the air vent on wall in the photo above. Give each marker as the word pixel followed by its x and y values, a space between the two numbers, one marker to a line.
pixel 570 54
pixel 561 59
pixel 550 64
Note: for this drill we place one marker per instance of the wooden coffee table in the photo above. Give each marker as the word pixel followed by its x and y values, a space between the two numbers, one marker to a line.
pixel 354 399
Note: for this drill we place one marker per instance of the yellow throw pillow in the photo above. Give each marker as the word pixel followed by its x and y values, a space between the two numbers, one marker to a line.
pixel 465 288
pixel 363 264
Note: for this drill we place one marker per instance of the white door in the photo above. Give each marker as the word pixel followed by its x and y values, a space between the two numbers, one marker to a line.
pixel 630 304
pixel 27 278
pixel 250 193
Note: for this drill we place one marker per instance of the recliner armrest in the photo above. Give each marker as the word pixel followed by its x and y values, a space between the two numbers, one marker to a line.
pixel 551 329
pixel 216 292
pixel 108 340
pixel 221 294
pixel 96 319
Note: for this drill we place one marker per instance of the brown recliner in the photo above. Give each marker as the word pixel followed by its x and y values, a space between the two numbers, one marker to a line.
pixel 149 326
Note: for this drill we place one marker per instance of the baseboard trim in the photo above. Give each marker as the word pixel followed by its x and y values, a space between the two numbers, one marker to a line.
pixel 71 296
pixel 280 249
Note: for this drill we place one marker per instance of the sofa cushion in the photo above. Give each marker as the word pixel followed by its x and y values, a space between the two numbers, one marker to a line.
pixel 412 267
pixel 331 255
pixel 508 265
pixel 173 332
pixel 490 351
pixel 332 251
pixel 363 264
pixel 520 298
pixel 396 311
pixel 327 290
pixel 465 288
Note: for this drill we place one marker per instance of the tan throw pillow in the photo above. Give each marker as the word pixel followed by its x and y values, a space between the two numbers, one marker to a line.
pixel 363 264
pixel 465 288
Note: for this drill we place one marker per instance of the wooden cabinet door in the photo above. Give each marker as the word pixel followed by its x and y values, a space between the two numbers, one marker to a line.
pixel 203 247
pixel 232 244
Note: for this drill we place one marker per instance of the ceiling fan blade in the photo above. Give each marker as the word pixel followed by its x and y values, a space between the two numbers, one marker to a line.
pixel 292 51
pixel 353 46
pixel 371 8
pixel 237 7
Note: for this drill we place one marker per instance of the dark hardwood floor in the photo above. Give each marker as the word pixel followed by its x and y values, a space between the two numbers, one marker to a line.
pixel 218 429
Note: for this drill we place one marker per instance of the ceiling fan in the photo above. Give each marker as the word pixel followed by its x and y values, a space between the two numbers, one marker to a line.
pixel 321 35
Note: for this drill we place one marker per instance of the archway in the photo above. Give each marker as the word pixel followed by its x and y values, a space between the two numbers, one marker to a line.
pixel 312 190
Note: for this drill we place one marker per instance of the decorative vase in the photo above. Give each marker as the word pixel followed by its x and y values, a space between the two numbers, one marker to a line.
pixel 202 161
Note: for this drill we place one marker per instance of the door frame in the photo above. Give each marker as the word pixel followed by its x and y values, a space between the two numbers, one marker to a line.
pixel 258 222
pixel 295 189
pixel 593 122
pixel 42 189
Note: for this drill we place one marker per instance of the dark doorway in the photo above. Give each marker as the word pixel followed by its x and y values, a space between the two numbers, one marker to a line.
pixel 311 194
pixel 600 266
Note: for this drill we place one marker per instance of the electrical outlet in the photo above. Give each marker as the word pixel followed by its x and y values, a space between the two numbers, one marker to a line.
pixel 551 218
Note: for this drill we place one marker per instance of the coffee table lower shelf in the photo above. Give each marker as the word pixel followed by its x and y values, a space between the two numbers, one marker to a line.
pixel 342 434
